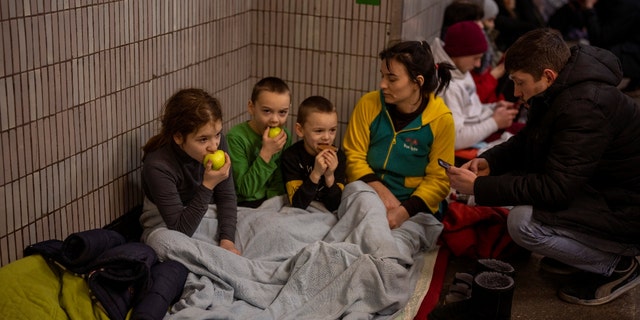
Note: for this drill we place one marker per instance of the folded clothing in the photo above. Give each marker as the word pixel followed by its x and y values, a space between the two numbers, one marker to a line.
pixel 78 250
pixel 83 247
pixel 118 273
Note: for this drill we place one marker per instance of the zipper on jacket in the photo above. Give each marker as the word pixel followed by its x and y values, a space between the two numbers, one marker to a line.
pixel 394 140
pixel 386 159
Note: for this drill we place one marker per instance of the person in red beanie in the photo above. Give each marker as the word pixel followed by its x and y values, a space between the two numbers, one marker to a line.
pixel 464 45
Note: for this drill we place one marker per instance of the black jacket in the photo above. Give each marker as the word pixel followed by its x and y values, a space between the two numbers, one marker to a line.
pixel 578 159
pixel 120 275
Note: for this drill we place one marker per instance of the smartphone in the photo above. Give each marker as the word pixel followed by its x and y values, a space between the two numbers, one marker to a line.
pixel 444 164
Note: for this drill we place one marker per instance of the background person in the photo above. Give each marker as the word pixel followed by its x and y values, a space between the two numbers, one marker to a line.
pixel 464 46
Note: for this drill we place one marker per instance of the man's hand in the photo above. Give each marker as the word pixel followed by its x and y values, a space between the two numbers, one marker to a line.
pixel 479 166
pixel 461 179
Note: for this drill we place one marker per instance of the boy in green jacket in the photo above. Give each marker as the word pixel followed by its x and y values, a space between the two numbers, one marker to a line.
pixel 255 146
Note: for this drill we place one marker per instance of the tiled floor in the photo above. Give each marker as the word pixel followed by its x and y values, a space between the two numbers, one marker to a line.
pixel 535 295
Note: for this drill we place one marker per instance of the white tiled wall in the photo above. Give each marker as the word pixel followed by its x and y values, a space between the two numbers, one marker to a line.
pixel 83 81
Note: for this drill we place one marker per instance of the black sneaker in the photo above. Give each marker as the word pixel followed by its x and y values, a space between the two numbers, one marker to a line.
pixel 592 289
pixel 554 266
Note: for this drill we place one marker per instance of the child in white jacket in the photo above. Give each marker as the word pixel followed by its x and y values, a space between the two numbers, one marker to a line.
pixel 464 44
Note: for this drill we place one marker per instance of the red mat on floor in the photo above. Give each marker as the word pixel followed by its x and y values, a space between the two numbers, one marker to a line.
pixel 433 294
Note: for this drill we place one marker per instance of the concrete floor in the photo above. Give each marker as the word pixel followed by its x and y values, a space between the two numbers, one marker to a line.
pixel 535 294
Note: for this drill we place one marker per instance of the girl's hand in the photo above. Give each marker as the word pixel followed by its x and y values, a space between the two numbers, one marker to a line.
pixel 271 146
pixel 229 245
pixel 212 177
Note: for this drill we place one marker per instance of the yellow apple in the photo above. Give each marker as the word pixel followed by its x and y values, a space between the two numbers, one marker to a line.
pixel 217 159
pixel 274 131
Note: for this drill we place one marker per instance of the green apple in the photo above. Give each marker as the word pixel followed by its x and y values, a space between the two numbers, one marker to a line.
pixel 217 159
pixel 274 131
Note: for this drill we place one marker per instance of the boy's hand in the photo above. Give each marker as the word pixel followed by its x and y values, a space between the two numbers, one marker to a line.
pixel 211 177
pixel 319 168
pixel 271 146
pixel 331 159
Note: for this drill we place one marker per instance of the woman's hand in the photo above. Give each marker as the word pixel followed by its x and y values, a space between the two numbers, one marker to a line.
pixel 388 199
pixel 397 216
pixel 212 177
pixel 229 245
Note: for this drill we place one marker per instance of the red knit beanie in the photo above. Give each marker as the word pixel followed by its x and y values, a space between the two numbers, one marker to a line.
pixel 464 39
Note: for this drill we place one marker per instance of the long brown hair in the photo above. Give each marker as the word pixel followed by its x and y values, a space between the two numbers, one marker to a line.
pixel 185 112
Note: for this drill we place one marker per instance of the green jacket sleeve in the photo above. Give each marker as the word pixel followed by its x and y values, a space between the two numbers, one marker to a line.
pixel 254 178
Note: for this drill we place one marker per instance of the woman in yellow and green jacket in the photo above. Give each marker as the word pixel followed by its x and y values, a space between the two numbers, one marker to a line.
pixel 397 134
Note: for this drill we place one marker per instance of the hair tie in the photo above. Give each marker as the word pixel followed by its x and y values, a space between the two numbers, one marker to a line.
pixel 437 66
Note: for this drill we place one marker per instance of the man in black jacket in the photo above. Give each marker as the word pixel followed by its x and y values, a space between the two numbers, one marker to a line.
pixel 572 173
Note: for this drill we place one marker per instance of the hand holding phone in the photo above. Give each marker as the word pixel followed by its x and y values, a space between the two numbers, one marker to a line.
pixel 444 164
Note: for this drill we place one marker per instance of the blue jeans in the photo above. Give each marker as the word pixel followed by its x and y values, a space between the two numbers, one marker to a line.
pixel 577 249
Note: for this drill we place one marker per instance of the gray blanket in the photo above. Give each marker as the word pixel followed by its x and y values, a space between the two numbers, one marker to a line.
pixel 301 264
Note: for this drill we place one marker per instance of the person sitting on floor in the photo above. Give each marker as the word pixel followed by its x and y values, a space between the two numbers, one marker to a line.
pixel 464 45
